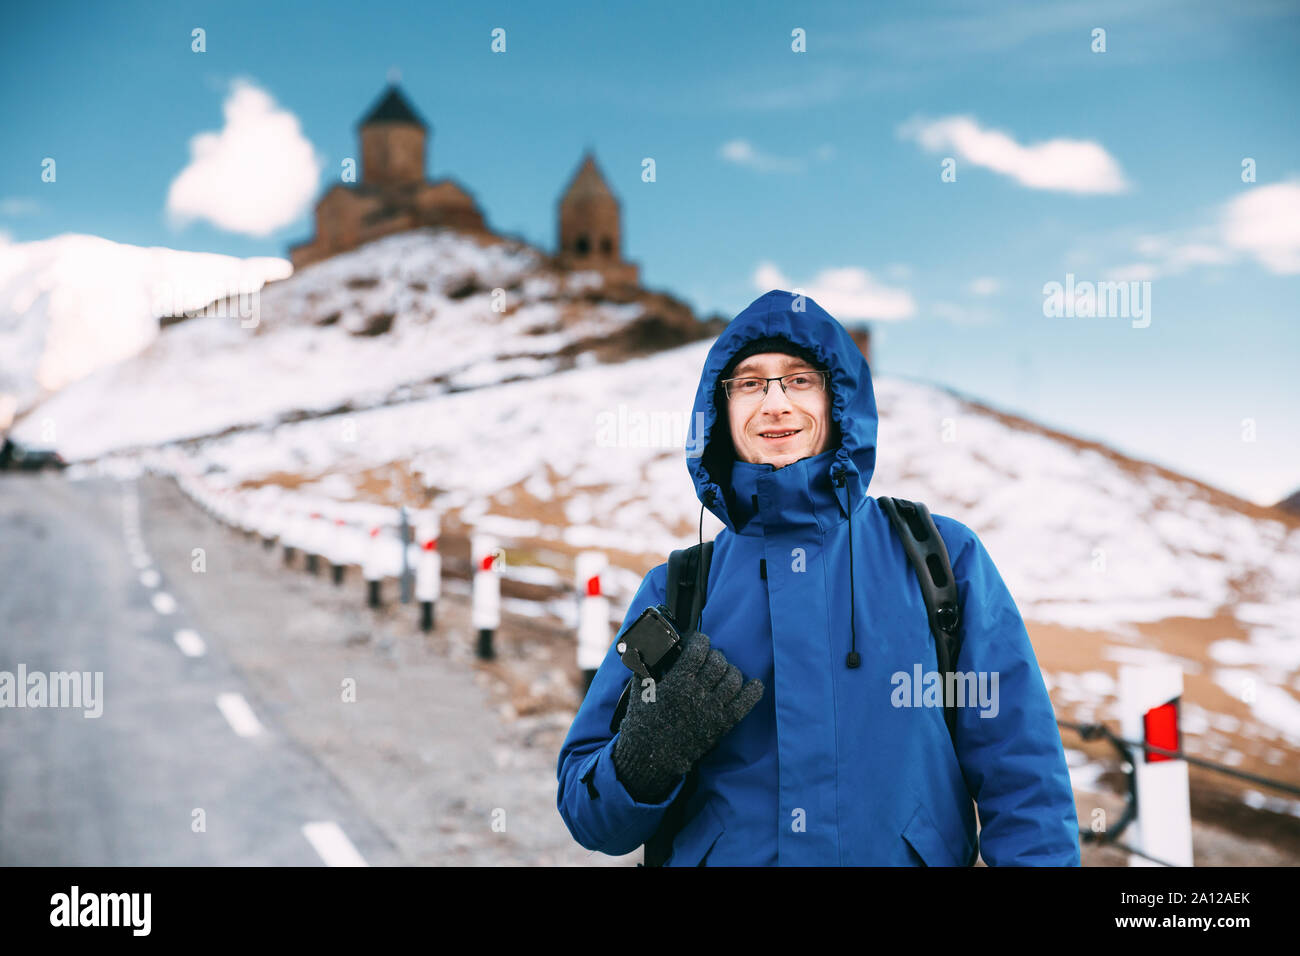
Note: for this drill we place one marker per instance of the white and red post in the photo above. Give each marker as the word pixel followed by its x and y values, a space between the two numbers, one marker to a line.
pixel 315 542
pixel 486 595
pixel 593 614
pixel 339 551
pixel 1149 698
pixel 372 567
pixel 291 534
pixel 270 526
pixel 428 569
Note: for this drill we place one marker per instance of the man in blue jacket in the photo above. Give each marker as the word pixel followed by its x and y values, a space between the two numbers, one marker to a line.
pixel 826 755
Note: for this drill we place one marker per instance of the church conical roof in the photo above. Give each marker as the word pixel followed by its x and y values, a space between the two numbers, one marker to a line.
pixel 393 107
pixel 588 182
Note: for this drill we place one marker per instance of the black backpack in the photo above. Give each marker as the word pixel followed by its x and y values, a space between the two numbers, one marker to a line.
pixel 688 572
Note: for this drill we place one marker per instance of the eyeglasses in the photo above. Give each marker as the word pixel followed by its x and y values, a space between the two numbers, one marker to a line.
pixel 746 391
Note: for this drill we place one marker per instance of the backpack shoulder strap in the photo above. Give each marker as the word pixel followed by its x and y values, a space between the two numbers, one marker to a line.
pixel 688 574
pixel 929 558
pixel 688 577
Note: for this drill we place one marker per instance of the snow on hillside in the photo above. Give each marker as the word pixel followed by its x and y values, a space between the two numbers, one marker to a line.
pixel 411 311
pixel 75 303
pixel 389 367
pixel 593 458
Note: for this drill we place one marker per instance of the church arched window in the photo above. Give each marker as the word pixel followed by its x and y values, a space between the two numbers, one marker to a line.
pixel 607 246
pixel 582 245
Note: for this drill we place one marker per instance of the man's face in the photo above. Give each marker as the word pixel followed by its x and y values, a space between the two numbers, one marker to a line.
pixel 779 428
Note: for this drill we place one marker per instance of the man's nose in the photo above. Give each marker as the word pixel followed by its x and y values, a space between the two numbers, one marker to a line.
pixel 776 400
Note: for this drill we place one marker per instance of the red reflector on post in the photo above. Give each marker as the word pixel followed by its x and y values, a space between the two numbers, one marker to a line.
pixel 431 544
pixel 1160 727
pixel 593 586
pixel 486 563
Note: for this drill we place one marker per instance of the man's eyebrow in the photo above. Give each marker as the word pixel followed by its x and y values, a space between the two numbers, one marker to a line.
pixel 748 364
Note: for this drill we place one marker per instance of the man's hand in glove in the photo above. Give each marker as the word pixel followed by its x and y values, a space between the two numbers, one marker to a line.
pixel 700 698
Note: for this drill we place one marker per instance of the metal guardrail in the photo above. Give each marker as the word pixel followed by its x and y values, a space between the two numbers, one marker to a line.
pixel 1125 749
pixel 1092 731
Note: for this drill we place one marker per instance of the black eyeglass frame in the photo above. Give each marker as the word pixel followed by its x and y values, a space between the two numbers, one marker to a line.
pixel 767 382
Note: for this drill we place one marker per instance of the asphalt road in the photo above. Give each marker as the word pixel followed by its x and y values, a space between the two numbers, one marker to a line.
pixel 163 775
pixel 393 746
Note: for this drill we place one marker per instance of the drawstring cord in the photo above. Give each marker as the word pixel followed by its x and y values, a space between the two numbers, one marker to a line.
pixel 853 659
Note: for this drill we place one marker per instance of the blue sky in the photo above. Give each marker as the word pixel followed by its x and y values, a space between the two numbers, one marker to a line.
pixel 818 169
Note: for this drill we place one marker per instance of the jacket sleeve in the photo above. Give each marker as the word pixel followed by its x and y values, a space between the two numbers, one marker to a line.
pixel 1010 752
pixel 596 807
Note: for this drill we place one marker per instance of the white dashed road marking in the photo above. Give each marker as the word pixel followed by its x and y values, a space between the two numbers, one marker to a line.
pixel 332 844
pixel 163 602
pixel 150 578
pixel 190 643
pixel 239 715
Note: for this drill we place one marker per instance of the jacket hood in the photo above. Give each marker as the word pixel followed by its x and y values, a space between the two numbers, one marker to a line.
pixel 853 400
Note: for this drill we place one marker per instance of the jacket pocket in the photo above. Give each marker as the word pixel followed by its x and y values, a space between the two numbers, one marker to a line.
pixel 925 840
pixel 696 840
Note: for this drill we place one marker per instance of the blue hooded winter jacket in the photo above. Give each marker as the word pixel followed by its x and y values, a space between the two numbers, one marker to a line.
pixel 836 765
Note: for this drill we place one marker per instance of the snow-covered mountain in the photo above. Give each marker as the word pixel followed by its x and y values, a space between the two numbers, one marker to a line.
pixel 417 313
pixel 75 303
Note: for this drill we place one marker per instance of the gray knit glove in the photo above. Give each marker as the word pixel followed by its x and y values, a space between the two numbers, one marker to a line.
pixel 696 703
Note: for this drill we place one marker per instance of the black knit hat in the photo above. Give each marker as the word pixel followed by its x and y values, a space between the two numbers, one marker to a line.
pixel 770 343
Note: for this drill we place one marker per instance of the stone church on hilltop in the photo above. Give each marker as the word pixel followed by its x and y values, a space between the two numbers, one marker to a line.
pixel 394 195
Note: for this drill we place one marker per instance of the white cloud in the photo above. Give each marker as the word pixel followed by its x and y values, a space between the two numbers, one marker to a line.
pixel 1064 165
pixel 743 153
pixel 985 285
pixel 848 293
pixel 1176 252
pixel 257 174
pixel 1265 223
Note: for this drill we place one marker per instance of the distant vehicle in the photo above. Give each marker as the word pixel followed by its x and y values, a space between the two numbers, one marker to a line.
pixel 18 457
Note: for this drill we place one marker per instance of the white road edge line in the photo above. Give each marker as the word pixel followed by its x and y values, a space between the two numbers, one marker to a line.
pixel 238 714
pixel 190 643
pixel 332 844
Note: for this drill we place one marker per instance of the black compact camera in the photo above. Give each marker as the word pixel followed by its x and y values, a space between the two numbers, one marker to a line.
pixel 649 648
pixel 651 645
